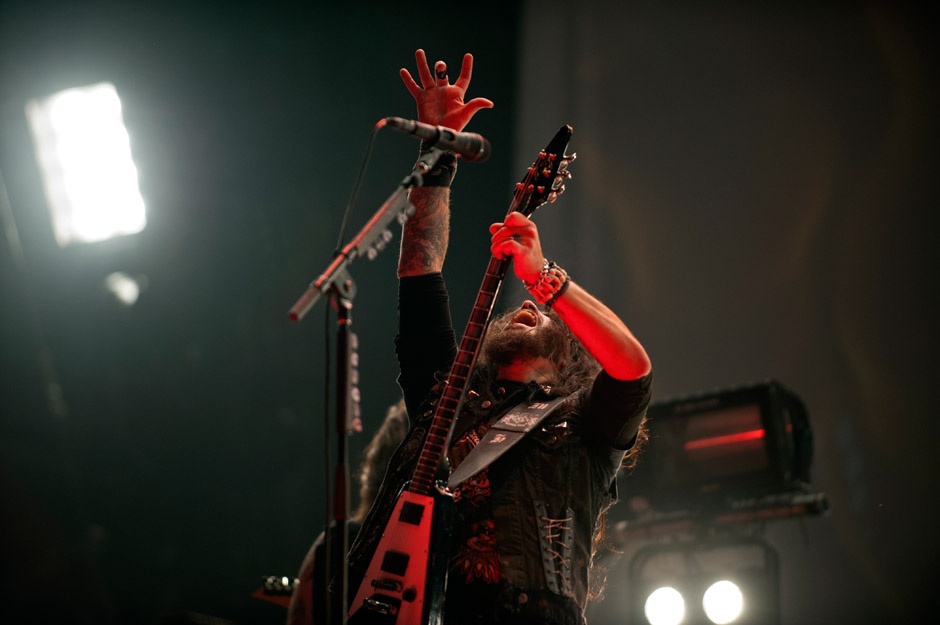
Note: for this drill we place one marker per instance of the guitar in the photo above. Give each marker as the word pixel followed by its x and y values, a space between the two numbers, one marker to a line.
pixel 406 577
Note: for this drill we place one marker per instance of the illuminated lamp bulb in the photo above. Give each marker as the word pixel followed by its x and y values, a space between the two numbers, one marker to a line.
pixel 664 606
pixel 723 602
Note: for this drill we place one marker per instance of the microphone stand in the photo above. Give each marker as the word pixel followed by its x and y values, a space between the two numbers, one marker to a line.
pixel 335 280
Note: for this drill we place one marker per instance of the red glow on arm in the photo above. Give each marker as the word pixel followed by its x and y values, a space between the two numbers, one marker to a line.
pixel 727 439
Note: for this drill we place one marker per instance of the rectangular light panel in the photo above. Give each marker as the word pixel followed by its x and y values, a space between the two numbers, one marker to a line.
pixel 84 156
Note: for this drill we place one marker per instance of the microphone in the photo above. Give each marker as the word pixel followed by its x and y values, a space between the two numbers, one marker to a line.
pixel 471 146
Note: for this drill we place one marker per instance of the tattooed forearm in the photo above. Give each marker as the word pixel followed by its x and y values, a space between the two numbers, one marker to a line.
pixel 425 235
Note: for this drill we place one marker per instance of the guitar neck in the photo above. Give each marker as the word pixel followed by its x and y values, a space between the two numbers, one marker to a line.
pixel 456 381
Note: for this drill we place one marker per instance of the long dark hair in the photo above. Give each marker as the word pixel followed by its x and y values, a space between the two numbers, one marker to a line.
pixel 377 454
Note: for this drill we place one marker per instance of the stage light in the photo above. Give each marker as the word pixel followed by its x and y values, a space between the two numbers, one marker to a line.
pixel 732 453
pixel 720 462
pixel 723 602
pixel 664 606
pixel 722 580
pixel 84 156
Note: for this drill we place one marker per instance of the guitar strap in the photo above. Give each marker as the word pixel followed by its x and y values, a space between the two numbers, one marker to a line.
pixel 502 435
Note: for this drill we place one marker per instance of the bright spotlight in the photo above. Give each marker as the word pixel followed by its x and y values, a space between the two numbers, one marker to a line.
pixel 84 155
pixel 723 602
pixel 665 606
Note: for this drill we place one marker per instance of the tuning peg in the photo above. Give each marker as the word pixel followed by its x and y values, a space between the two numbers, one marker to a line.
pixel 541 190
pixel 552 196
pixel 381 243
pixel 567 161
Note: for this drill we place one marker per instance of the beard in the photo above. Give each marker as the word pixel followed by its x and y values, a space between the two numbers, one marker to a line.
pixel 505 343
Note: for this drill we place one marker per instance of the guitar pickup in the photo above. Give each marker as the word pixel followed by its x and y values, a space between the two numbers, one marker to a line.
pixel 411 513
pixel 390 585
pixel 382 604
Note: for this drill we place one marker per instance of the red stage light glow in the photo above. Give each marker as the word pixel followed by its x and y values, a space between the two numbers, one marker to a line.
pixel 728 439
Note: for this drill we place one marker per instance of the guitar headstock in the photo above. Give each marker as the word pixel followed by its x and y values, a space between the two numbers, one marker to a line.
pixel 545 179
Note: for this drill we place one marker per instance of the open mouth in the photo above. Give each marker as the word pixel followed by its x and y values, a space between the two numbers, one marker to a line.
pixel 526 317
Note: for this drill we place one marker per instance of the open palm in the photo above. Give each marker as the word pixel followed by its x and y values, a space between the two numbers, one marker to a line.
pixel 439 102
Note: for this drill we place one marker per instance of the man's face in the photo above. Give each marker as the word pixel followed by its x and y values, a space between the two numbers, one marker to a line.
pixel 525 332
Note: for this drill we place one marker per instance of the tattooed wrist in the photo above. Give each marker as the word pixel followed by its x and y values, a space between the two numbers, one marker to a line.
pixel 425 235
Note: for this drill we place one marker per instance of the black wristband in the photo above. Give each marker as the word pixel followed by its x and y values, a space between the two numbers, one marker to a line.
pixel 443 173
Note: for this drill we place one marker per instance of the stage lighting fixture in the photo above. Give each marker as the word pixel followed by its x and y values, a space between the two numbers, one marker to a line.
pixel 716 462
pixel 84 156
pixel 729 580
pixel 729 456
pixel 664 606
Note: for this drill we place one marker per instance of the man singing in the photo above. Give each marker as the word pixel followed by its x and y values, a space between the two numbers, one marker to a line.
pixel 525 525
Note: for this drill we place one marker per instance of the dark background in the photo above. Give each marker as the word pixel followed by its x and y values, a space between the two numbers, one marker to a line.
pixel 755 195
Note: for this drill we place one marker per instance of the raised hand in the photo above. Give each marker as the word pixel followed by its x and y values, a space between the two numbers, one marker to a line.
pixel 439 102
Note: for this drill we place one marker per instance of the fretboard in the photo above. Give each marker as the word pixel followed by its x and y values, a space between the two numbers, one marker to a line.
pixel 456 381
